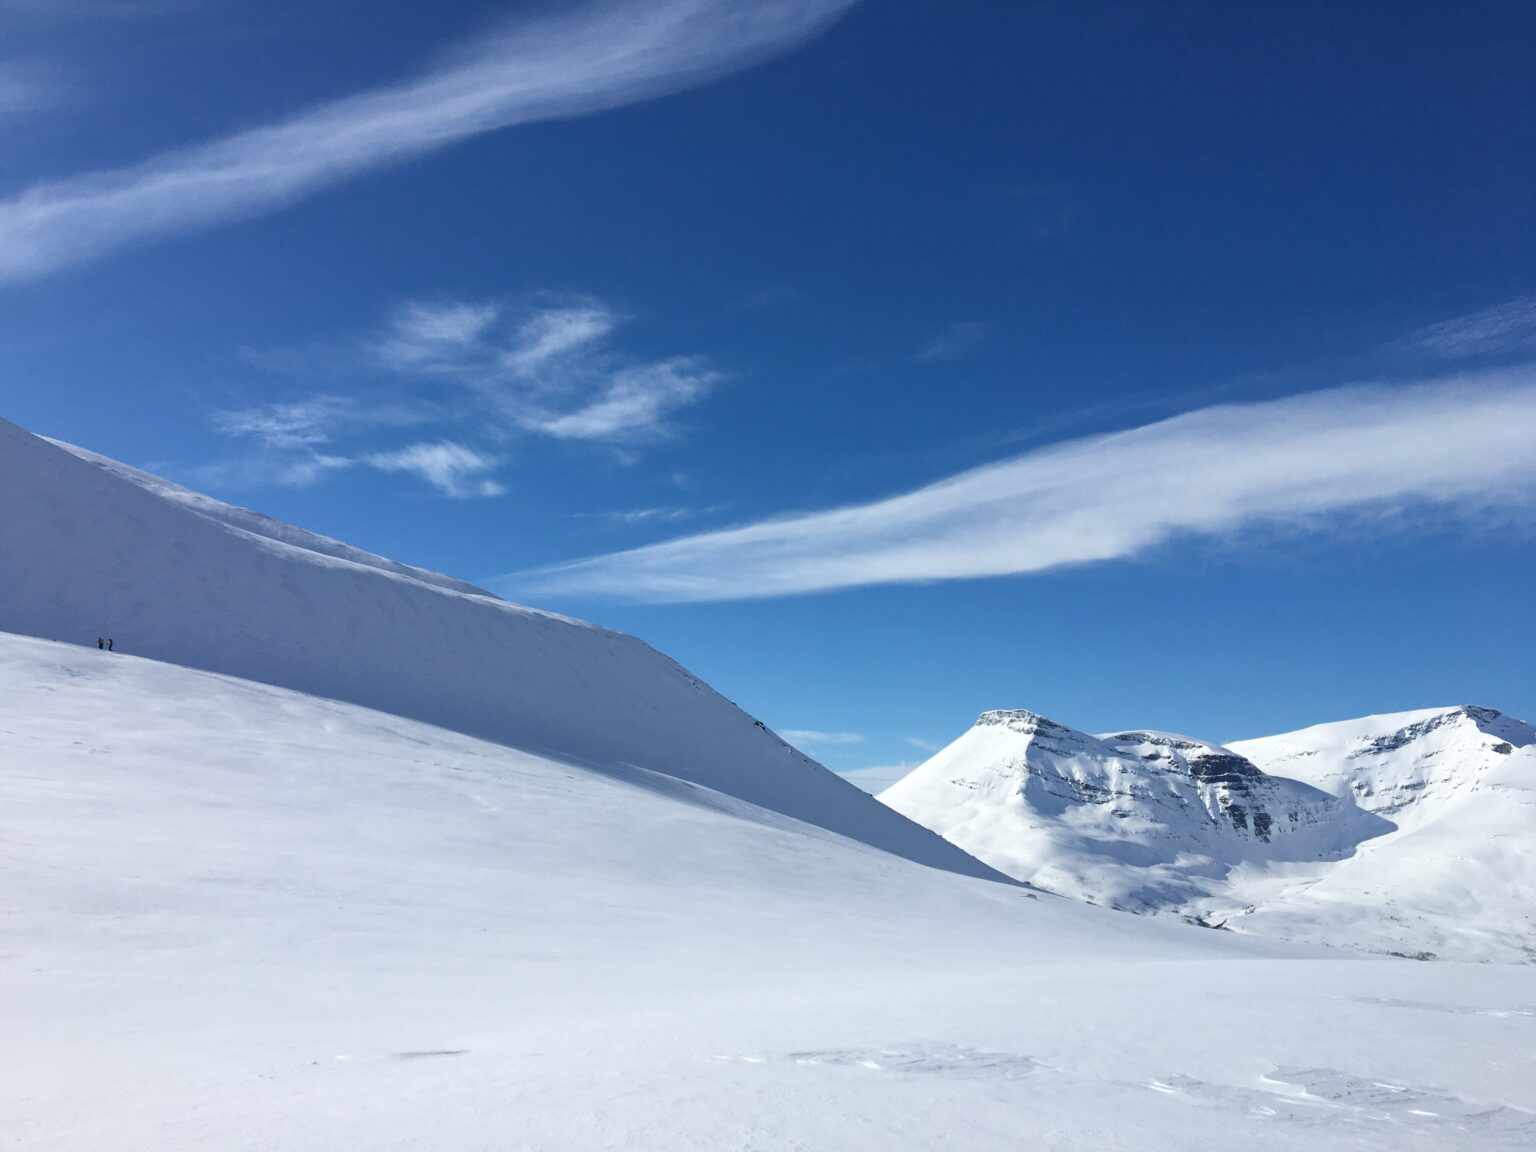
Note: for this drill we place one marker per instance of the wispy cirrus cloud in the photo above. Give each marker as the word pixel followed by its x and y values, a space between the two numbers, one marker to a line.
pixel 633 404
pixel 495 371
pixel 1458 444
pixel 453 469
pixel 602 55
pixel 877 779
pixel 810 737
pixel 27 87
pixel 297 469
pixel 313 420
pixel 656 514
pixel 955 342
pixel 1504 329
pixel 669 514
pixel 434 336
pixel 548 368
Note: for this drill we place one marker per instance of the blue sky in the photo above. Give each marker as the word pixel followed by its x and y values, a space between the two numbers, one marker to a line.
pixel 884 362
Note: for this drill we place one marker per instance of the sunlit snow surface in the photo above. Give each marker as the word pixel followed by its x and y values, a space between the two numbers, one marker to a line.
pixel 91 548
pixel 1410 834
pixel 236 917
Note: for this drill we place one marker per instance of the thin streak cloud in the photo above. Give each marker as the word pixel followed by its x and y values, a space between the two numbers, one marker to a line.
pixel 1504 329
pixel 603 56
pixel 27 87
pixel 804 737
pixel 1462 443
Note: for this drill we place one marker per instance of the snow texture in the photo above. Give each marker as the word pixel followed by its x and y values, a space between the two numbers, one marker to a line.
pixel 237 917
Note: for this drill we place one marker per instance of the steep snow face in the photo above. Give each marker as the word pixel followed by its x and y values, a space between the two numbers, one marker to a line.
pixel 92 548
pixel 1406 766
pixel 1144 821
pixel 234 916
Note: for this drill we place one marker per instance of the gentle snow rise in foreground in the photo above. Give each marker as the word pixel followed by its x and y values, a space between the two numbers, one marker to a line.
pixel 1410 834
pixel 238 917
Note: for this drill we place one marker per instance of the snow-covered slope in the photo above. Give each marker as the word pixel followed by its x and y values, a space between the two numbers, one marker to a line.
pixel 1458 876
pixel 1406 766
pixel 1411 834
pixel 1142 821
pixel 235 917
pixel 91 548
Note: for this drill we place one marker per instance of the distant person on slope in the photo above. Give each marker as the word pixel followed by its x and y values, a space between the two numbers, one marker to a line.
pixel 100 643
pixel 109 643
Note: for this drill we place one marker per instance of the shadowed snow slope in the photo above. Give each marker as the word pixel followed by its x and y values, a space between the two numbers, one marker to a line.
pixel 91 548
pixel 237 917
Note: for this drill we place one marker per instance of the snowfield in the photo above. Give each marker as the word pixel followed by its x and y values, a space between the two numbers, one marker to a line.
pixel 336 854
pixel 237 917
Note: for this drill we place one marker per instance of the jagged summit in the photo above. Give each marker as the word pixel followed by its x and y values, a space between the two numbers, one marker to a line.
pixel 1019 720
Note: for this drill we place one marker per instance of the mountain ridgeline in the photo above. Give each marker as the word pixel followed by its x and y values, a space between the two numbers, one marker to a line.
pixel 1408 833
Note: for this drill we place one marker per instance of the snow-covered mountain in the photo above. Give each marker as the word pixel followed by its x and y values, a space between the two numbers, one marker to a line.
pixel 1412 834
pixel 1407 766
pixel 564 897
pixel 1456 878
pixel 89 547
pixel 1142 821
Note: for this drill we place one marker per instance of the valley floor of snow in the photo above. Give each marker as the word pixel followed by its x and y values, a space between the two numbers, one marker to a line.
pixel 237 917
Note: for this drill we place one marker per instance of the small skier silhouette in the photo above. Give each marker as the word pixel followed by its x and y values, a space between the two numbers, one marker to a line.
pixel 100 643
pixel 109 643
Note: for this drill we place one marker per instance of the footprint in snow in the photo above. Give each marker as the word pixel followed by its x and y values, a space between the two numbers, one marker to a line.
pixel 1318 1095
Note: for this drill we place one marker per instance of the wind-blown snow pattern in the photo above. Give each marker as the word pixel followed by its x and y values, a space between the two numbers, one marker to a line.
pixel 1412 834
pixel 237 917
pixel 91 548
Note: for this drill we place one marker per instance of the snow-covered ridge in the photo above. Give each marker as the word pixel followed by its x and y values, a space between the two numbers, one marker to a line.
pixel 1393 764
pixel 89 548
pixel 1411 833
pixel 245 520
